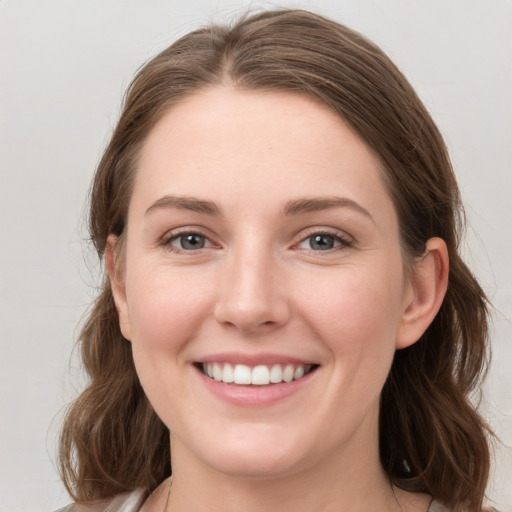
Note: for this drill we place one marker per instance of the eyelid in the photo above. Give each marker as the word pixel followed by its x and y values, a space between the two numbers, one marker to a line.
pixel 345 239
pixel 170 235
pixel 173 234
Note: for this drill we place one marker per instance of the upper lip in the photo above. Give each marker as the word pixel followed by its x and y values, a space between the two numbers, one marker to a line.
pixel 253 359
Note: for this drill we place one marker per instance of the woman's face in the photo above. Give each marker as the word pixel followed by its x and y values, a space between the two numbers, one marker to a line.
pixel 262 246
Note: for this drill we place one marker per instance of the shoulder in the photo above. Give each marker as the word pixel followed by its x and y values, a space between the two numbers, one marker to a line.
pixel 129 502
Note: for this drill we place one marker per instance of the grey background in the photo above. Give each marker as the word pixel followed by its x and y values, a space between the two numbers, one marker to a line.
pixel 64 65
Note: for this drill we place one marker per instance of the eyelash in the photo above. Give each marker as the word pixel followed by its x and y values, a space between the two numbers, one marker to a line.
pixel 344 242
pixel 169 238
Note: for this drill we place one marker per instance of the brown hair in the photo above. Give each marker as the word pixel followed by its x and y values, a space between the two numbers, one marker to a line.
pixel 431 437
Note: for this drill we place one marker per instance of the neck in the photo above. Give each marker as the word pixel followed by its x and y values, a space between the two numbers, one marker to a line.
pixel 350 480
pixel 296 493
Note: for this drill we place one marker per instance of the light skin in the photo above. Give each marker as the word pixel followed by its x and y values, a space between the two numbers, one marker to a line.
pixel 259 230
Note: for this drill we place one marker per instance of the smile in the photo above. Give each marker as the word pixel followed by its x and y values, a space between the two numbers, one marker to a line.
pixel 261 375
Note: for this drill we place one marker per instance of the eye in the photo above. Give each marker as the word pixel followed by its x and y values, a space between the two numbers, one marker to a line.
pixel 323 242
pixel 189 242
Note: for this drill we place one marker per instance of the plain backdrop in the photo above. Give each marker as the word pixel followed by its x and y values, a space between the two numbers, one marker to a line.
pixel 63 69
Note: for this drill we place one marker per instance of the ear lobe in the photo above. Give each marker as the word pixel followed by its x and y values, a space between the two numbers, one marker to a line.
pixel 428 284
pixel 117 284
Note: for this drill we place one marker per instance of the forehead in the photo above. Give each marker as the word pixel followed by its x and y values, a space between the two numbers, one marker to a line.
pixel 247 145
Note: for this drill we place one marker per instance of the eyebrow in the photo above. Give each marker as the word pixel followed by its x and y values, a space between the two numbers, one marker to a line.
pixel 185 203
pixel 293 207
pixel 315 204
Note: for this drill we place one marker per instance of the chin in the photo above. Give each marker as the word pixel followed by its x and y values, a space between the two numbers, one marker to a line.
pixel 256 466
pixel 254 456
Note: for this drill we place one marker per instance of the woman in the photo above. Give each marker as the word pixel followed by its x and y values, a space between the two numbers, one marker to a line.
pixel 285 319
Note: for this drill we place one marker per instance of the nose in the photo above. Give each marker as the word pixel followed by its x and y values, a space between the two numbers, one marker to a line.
pixel 252 296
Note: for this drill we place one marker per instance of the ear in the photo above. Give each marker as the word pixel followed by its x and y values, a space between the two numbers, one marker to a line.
pixel 426 290
pixel 117 284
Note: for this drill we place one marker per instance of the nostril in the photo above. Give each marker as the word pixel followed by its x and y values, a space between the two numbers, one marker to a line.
pixel 250 299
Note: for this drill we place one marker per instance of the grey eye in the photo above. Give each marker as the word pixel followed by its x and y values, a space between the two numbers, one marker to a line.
pixel 189 242
pixel 321 242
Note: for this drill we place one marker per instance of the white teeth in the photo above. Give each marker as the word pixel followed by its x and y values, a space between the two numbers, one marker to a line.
pixel 242 374
pixel 261 375
pixel 288 372
pixel 217 371
pixel 298 373
pixel 276 374
pixel 228 373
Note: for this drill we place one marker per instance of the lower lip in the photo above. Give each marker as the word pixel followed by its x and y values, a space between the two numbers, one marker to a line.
pixel 254 395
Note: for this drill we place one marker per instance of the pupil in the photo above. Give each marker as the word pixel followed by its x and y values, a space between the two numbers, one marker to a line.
pixel 322 242
pixel 192 242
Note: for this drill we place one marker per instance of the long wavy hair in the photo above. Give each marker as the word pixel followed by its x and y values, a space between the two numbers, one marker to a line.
pixel 432 439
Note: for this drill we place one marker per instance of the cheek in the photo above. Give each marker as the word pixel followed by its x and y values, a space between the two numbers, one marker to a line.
pixel 165 309
pixel 356 311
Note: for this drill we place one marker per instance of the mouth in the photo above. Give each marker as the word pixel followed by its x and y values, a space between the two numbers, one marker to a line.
pixel 260 375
